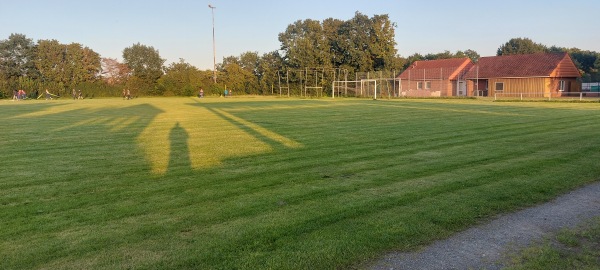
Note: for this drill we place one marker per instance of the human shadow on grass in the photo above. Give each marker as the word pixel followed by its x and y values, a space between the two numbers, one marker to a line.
pixel 81 173
pixel 179 156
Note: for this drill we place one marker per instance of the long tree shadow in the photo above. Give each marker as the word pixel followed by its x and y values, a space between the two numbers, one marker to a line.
pixel 85 186
pixel 23 108
pixel 275 141
pixel 92 141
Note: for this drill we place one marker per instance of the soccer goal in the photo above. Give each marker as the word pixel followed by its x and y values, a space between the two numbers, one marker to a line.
pixel 312 91
pixel 362 88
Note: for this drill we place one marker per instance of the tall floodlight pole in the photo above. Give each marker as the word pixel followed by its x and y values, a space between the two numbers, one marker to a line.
pixel 212 8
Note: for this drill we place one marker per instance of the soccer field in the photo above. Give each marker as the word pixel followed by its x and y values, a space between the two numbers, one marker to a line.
pixel 255 183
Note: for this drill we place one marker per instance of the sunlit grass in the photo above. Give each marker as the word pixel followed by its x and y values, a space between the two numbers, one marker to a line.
pixel 271 183
pixel 210 137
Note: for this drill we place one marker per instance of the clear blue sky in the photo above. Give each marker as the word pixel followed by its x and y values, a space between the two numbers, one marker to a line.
pixel 183 28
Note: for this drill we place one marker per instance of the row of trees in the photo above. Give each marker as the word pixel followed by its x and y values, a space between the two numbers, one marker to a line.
pixel 48 63
pixel 360 44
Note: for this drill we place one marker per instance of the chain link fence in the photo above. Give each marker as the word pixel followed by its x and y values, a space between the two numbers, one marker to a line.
pixel 434 82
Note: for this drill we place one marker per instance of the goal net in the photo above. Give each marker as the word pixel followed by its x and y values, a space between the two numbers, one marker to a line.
pixel 362 88
pixel 313 91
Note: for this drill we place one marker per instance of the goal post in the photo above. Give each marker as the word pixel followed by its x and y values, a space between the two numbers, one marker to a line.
pixel 361 88
pixel 318 91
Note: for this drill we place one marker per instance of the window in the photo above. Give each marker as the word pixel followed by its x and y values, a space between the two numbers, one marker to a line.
pixel 499 86
pixel 562 86
pixel 419 85
pixel 427 85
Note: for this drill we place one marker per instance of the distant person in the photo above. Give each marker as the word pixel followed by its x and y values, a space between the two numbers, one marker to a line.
pixel 124 93
pixel 15 95
pixel 48 96
pixel 79 94
pixel 226 93
pixel 201 93
pixel 230 93
pixel 128 94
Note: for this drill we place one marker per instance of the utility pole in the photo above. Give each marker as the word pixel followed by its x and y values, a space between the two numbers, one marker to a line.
pixel 212 8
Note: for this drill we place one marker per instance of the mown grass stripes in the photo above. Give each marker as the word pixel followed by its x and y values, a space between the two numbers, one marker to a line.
pixel 250 183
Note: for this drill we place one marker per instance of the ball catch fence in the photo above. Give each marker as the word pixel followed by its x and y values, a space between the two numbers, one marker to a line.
pixel 561 96
pixel 376 84
pixel 307 82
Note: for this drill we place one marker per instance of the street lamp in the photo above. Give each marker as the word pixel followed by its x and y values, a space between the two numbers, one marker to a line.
pixel 212 8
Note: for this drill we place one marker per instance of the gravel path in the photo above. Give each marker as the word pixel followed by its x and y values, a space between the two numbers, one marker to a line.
pixel 482 247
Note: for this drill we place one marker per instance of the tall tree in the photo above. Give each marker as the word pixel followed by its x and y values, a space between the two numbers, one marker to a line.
pixel 181 79
pixel 595 74
pixel 356 31
pixel 114 72
pixel 229 60
pixel 81 64
pixel 92 66
pixel 382 45
pixel 471 54
pixel 304 45
pixel 146 65
pixel 17 55
pixel 521 46
pixel 585 59
pixel 50 61
pixel 331 28
pixel 249 61
pixel 268 66
pixel 68 65
pixel 239 79
pixel 442 55
pixel 361 43
pixel 412 58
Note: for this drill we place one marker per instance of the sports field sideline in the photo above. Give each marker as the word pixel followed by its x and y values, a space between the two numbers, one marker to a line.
pixel 253 183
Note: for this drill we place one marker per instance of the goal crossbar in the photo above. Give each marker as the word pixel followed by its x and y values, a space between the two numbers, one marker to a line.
pixel 362 82
pixel 313 87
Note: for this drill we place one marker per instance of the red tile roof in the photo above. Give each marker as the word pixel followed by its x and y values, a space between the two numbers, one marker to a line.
pixel 436 69
pixel 524 65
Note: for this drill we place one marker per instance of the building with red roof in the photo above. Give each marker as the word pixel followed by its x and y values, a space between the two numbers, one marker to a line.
pixel 443 77
pixel 532 75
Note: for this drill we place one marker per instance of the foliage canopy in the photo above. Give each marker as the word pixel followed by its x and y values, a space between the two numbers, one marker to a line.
pixel 360 44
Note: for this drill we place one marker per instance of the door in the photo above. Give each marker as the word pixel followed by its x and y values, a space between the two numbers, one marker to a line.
pixel 462 88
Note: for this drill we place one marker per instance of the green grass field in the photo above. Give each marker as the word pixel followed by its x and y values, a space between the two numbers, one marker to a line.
pixel 255 183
